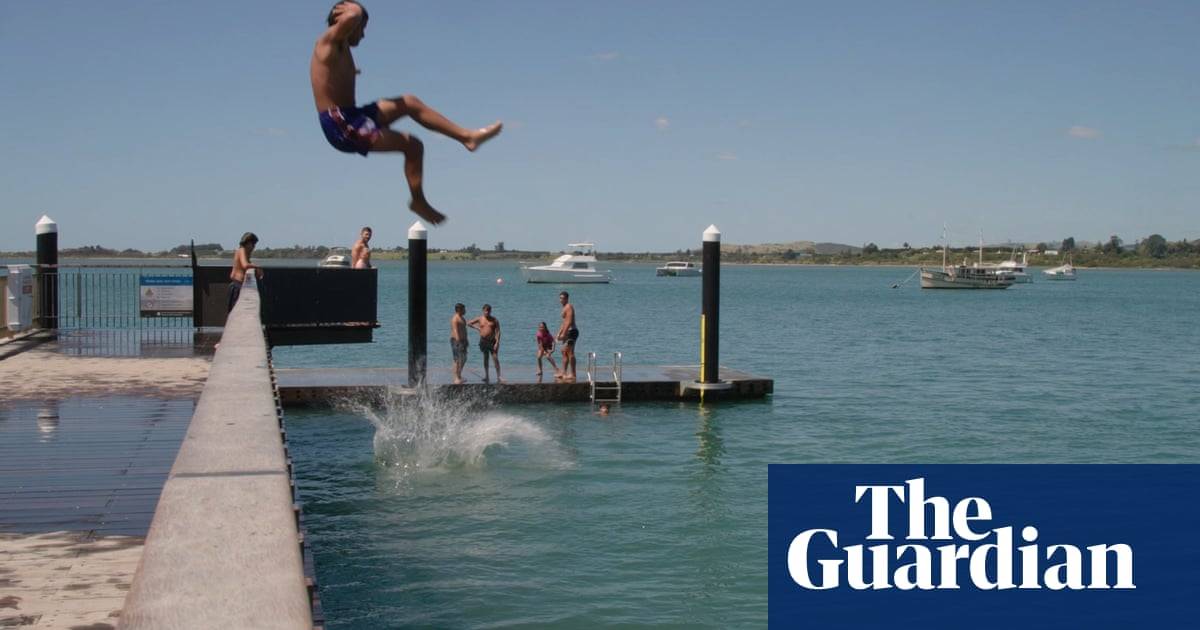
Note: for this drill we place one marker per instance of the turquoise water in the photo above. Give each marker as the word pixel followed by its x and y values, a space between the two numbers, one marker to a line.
pixel 461 515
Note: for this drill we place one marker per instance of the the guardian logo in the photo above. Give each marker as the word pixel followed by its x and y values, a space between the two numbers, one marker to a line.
pixel 972 553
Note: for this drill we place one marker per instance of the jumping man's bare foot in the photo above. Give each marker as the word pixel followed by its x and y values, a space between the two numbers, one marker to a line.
pixel 458 381
pixel 479 136
pixel 426 211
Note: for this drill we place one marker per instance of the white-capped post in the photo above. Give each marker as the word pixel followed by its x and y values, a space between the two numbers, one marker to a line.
pixel 710 306
pixel 47 272
pixel 417 302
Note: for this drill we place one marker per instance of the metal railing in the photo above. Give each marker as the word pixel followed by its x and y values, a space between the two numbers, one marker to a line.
pixel 93 297
pixel 100 309
pixel 604 390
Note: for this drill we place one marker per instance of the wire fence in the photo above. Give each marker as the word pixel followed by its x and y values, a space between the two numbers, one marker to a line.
pixel 107 310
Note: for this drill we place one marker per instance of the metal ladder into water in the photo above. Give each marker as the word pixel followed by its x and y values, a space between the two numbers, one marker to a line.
pixel 606 391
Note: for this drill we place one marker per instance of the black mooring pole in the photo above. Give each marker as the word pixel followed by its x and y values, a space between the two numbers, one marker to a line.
pixel 710 313
pixel 417 306
pixel 47 272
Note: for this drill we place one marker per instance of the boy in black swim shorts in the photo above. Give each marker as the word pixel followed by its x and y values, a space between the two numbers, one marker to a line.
pixel 489 339
pixel 568 334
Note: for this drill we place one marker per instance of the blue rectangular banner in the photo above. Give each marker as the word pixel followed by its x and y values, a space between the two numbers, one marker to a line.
pixel 983 546
pixel 165 296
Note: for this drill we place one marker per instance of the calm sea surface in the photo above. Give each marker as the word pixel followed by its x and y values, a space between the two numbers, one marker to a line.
pixel 454 515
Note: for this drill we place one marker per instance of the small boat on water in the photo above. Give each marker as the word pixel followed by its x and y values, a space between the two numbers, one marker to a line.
pixel 335 261
pixel 977 276
pixel 577 267
pixel 964 277
pixel 1016 269
pixel 678 269
pixel 1061 272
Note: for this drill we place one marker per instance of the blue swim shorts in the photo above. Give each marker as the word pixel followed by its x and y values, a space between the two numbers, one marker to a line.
pixel 351 129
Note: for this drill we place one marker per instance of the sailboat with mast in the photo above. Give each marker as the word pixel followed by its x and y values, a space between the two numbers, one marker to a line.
pixel 964 276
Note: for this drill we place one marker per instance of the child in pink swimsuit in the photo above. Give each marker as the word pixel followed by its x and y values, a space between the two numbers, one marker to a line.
pixel 545 347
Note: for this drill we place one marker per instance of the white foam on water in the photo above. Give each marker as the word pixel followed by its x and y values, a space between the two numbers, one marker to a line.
pixel 432 433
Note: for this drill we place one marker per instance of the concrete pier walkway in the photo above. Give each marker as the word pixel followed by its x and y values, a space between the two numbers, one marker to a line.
pixel 224 548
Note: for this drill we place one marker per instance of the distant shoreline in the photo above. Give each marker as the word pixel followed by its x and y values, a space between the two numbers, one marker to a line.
pixel 28 258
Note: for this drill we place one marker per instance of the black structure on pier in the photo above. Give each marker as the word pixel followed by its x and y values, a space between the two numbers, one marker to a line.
pixel 47 269
pixel 300 305
pixel 710 310
pixel 417 302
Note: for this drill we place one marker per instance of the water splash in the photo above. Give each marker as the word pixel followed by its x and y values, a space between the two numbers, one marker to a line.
pixel 429 432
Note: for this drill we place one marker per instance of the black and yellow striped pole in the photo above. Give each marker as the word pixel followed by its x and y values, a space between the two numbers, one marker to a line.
pixel 710 318
pixel 710 309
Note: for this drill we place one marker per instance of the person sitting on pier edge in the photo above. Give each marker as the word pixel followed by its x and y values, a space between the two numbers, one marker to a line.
pixel 458 341
pixel 242 264
pixel 489 340
pixel 568 334
pixel 360 254
pixel 366 129
pixel 545 348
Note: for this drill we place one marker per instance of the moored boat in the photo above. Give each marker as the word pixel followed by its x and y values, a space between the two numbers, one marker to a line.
pixel 1016 269
pixel 1061 272
pixel 577 267
pixel 977 276
pixel 335 261
pixel 964 277
pixel 679 269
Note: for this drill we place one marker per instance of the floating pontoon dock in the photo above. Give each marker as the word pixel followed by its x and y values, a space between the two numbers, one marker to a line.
pixel 638 383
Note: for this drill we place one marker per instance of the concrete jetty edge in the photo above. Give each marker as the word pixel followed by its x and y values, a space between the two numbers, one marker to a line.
pixel 224 549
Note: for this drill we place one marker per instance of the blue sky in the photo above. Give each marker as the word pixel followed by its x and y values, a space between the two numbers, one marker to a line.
pixel 634 124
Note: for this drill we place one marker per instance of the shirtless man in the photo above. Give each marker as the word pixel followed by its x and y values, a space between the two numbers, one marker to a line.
pixel 458 342
pixel 242 264
pixel 366 129
pixel 568 333
pixel 360 254
pixel 489 339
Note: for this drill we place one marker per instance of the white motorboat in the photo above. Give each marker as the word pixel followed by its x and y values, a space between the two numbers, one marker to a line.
pixel 1061 272
pixel 1016 269
pixel 977 276
pixel 577 267
pixel 678 269
pixel 335 261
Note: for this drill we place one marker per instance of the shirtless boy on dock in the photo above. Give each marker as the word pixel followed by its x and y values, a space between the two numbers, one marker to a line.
pixel 568 334
pixel 489 339
pixel 366 129
pixel 458 341
pixel 360 254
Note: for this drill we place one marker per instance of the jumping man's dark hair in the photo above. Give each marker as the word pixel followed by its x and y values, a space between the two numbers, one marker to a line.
pixel 330 19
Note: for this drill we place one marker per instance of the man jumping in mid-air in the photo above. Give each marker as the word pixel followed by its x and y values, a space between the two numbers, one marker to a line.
pixel 366 129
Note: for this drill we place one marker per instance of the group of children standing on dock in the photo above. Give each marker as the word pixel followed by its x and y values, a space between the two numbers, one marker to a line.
pixel 488 328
